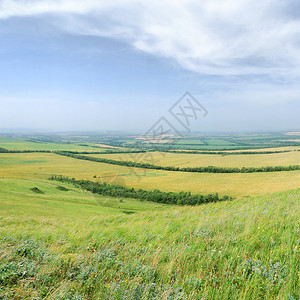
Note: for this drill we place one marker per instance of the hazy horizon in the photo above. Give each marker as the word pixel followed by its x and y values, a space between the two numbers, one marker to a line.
pixel 32 131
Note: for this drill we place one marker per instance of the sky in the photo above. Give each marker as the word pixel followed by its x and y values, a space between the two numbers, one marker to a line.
pixel 120 65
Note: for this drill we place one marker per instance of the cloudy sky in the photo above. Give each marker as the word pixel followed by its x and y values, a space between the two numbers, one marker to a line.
pixel 110 65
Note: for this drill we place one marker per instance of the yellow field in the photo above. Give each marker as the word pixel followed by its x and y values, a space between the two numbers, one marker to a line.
pixel 293 133
pixel 43 165
pixel 287 148
pixel 204 160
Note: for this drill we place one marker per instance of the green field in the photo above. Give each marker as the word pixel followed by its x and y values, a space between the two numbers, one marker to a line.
pixel 59 241
pixel 193 142
pixel 66 245
pixel 54 203
pixel 214 142
pixel 190 141
pixel 38 145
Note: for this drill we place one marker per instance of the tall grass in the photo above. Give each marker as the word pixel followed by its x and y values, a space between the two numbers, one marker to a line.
pixel 242 249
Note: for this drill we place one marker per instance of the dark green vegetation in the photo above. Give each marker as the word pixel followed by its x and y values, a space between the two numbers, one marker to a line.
pixel 3 150
pixel 182 198
pixel 218 152
pixel 62 188
pixel 210 169
pixel 37 190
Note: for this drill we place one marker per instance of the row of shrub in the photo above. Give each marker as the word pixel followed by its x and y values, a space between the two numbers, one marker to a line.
pixel 209 169
pixel 107 152
pixel 179 152
pixel 181 198
pixel 227 153
pixel 183 147
pixel 3 150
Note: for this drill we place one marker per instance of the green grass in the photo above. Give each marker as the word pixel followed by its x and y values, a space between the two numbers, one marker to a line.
pixel 189 141
pixel 10 161
pixel 36 145
pixel 67 245
pixel 60 242
pixel 18 199
pixel 219 142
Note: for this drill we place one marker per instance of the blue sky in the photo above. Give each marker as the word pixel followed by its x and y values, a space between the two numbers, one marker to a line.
pixel 96 65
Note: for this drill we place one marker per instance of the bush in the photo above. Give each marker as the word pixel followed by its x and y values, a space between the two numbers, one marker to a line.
pixel 62 188
pixel 37 190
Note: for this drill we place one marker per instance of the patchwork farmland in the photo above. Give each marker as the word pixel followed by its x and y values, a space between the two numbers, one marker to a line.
pixel 93 237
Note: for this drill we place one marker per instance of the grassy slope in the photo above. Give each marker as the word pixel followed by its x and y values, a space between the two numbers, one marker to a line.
pixel 204 160
pixel 230 250
pixel 43 165
pixel 18 200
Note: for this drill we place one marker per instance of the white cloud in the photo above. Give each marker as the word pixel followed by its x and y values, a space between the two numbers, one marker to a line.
pixel 207 36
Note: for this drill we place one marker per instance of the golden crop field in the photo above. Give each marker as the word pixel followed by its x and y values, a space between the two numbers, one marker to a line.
pixel 43 165
pixel 287 148
pixel 204 160
pixel 272 149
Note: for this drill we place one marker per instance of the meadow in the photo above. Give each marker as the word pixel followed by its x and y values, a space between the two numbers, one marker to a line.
pixel 65 245
pixel 60 241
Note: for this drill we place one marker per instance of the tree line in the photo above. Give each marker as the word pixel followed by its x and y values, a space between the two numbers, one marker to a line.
pixel 209 169
pixel 227 153
pixel 181 198
pixel 3 150
pixel 107 152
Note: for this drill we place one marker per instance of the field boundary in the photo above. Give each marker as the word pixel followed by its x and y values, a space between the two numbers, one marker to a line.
pixel 209 169
pixel 181 198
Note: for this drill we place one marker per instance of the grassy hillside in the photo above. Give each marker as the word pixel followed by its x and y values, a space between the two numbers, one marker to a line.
pixel 68 245
pixel 17 199
pixel 43 165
